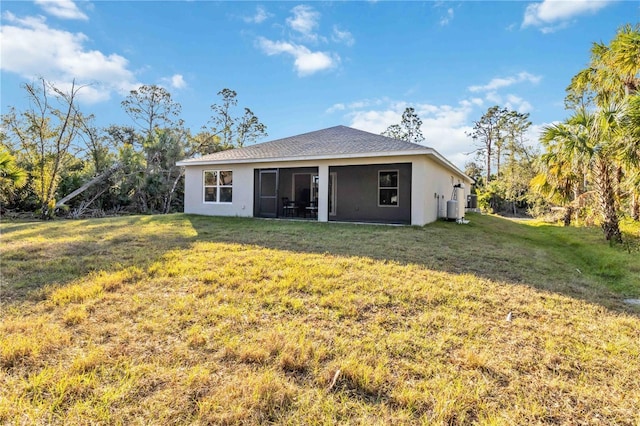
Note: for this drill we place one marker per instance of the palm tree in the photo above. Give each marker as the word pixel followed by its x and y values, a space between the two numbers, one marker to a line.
pixel 561 169
pixel 610 84
pixel 613 72
pixel 582 147
pixel 12 177
pixel 624 58
pixel 605 128
pixel 629 152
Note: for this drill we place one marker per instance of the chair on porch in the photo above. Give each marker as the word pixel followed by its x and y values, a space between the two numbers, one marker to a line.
pixel 289 208
pixel 312 208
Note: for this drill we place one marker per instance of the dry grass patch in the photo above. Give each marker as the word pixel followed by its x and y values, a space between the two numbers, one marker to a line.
pixel 262 397
pixel 219 323
pixel 28 341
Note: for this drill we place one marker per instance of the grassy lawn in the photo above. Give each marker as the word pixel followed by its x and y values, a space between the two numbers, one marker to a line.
pixel 184 319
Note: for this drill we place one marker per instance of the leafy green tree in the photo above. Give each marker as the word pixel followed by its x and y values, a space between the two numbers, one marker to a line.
pixel 586 139
pixel 205 142
pixel 613 73
pixel 516 158
pixel 128 180
pixel 87 184
pixel 629 152
pixel 162 176
pixel 562 168
pixel 12 176
pixel 612 80
pixel 46 135
pixel 408 129
pixel 162 143
pixel 474 171
pixel 99 149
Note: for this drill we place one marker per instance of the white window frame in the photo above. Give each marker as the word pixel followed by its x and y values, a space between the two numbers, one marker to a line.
pixel 397 188
pixel 217 185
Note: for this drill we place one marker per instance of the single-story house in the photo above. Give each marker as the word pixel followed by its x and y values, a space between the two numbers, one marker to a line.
pixel 335 174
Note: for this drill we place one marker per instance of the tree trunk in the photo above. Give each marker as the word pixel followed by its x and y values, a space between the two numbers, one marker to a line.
pixel 167 205
pixel 88 185
pixel 606 198
pixel 488 164
pixel 566 218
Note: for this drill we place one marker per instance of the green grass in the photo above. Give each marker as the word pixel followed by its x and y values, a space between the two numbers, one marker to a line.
pixel 195 320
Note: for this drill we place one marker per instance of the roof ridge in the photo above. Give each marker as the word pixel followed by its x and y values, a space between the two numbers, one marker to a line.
pixel 338 140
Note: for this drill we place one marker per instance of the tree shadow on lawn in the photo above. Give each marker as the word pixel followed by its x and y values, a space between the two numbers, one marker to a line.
pixel 575 262
pixel 60 256
pixel 571 261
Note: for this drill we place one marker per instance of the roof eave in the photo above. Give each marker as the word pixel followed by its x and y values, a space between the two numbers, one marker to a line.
pixel 448 164
pixel 205 162
pixel 426 151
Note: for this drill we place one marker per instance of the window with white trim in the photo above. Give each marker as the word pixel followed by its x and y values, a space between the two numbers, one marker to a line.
pixel 388 188
pixel 218 186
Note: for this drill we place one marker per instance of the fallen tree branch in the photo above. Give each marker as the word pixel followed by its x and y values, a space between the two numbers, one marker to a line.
pixel 111 170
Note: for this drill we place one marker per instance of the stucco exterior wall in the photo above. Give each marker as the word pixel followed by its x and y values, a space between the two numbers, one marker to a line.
pixel 242 204
pixel 428 178
pixel 358 198
pixel 437 184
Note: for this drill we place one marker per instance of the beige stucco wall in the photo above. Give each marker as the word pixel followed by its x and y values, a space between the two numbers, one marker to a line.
pixel 242 204
pixel 436 182
pixel 428 178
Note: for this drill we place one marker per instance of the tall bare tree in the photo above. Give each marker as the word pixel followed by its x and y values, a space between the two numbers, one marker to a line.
pixel 486 134
pixel 230 130
pixel 151 107
pixel 46 134
pixel 408 129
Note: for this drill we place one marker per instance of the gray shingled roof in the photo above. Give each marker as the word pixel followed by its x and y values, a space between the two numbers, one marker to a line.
pixel 334 141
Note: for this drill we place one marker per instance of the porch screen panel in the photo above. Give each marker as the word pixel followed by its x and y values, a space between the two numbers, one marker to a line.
pixel 268 193
pixel 268 184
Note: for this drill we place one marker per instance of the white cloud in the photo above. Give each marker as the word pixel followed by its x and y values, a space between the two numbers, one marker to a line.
pixel 176 81
pixel 65 9
pixel 304 21
pixel 306 62
pixel 500 82
pixel 493 97
pixel 260 16
pixel 335 107
pixel 374 121
pixel 363 103
pixel 471 102
pixel 533 133
pixel 552 15
pixel 87 92
pixel 340 36
pixel 554 28
pixel 443 126
pixel 31 49
pixel 516 103
pixel 447 18
pixel 510 101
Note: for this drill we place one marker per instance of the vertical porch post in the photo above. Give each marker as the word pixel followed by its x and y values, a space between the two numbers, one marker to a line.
pixel 323 193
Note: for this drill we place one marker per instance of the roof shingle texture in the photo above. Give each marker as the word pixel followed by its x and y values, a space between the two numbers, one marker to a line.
pixel 338 141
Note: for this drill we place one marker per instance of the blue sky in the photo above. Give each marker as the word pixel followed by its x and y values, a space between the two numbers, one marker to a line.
pixel 304 66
